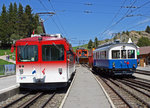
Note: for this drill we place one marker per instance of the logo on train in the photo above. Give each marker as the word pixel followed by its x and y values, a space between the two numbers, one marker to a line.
pixel 34 71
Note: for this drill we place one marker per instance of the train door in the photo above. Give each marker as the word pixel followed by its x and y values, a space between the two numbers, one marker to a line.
pixel 70 63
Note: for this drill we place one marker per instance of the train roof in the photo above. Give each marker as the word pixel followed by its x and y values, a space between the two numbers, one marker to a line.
pixel 43 38
pixel 113 44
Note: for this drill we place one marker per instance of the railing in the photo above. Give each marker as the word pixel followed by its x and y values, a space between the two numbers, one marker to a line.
pixel 9 69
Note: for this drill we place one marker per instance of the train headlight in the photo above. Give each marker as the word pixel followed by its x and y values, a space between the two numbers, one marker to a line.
pixel 113 64
pixel 21 71
pixel 60 70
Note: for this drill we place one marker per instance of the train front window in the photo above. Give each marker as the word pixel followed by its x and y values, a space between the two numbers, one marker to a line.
pixel 131 53
pixel 27 53
pixel 115 54
pixel 123 53
pixel 52 52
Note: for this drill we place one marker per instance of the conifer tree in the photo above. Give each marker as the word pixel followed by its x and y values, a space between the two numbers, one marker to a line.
pixel 147 29
pixel 3 27
pixel 16 23
pixel 10 20
pixel 90 44
pixel 15 11
pixel 29 21
pixel 21 25
pixel 96 42
pixel 127 33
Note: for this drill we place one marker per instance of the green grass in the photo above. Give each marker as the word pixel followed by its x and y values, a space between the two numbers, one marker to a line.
pixel 1 73
pixel 2 52
pixel 12 57
pixel 3 62
pixel 84 46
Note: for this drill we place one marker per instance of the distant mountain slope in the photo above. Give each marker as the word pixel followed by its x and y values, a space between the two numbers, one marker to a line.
pixel 124 37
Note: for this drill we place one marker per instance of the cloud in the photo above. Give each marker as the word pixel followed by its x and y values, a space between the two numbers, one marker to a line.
pixel 144 21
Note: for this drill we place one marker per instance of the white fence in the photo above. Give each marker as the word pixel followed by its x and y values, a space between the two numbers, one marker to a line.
pixel 9 69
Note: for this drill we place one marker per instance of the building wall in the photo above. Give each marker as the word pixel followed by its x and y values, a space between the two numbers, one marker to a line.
pixel 144 59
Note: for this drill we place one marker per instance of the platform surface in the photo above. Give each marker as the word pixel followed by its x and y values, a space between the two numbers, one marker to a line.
pixel 147 68
pixel 7 82
pixel 86 92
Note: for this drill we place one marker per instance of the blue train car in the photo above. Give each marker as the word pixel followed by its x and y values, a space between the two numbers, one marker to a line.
pixel 116 58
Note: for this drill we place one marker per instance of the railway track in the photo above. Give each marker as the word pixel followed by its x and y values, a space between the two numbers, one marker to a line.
pixel 30 100
pixel 142 72
pixel 124 93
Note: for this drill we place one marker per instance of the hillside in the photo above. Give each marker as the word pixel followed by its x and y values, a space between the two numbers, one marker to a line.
pixel 124 37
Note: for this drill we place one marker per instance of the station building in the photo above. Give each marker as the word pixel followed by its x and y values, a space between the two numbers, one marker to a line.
pixel 144 56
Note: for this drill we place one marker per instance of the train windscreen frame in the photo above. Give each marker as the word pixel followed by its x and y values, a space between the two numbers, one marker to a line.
pixel 27 53
pixel 53 52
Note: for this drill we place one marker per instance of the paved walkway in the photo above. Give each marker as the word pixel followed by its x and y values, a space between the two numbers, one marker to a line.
pixel 10 60
pixel 7 82
pixel 147 68
pixel 86 92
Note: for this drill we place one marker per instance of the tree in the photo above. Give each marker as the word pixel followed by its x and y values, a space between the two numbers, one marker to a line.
pixel 29 20
pixel 127 33
pixel 36 24
pixel 90 44
pixel 16 23
pixel 96 42
pixel 123 32
pixel 143 41
pixel 147 29
pixel 11 21
pixel 3 27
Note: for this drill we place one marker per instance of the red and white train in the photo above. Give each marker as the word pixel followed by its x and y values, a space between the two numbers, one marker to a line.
pixel 44 61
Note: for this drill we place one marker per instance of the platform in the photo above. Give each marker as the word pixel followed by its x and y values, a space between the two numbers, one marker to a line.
pixel 7 83
pixel 147 68
pixel 86 92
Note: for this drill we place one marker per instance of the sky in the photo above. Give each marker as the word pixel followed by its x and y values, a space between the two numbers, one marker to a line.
pixel 82 20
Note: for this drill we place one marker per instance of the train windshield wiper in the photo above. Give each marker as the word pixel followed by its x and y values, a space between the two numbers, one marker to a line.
pixel 57 47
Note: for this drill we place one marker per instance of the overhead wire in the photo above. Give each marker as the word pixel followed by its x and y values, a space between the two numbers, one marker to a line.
pixel 129 12
pixel 140 15
pixel 51 17
pixel 148 20
pixel 58 18
pixel 114 17
pixel 124 16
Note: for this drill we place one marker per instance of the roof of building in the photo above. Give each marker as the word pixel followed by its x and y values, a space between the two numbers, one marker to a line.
pixel 144 50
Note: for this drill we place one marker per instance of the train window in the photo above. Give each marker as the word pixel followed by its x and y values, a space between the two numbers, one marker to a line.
pixel 27 53
pixel 115 54
pixel 131 53
pixel 123 53
pixel 52 52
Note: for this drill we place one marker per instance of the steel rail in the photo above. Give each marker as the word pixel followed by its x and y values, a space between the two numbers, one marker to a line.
pixel 146 103
pixel 144 73
pixel 139 82
pixel 139 86
pixel 30 101
pixel 117 93
pixel 143 70
pixel 15 101
pixel 143 79
pixel 48 100
pixel 133 87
